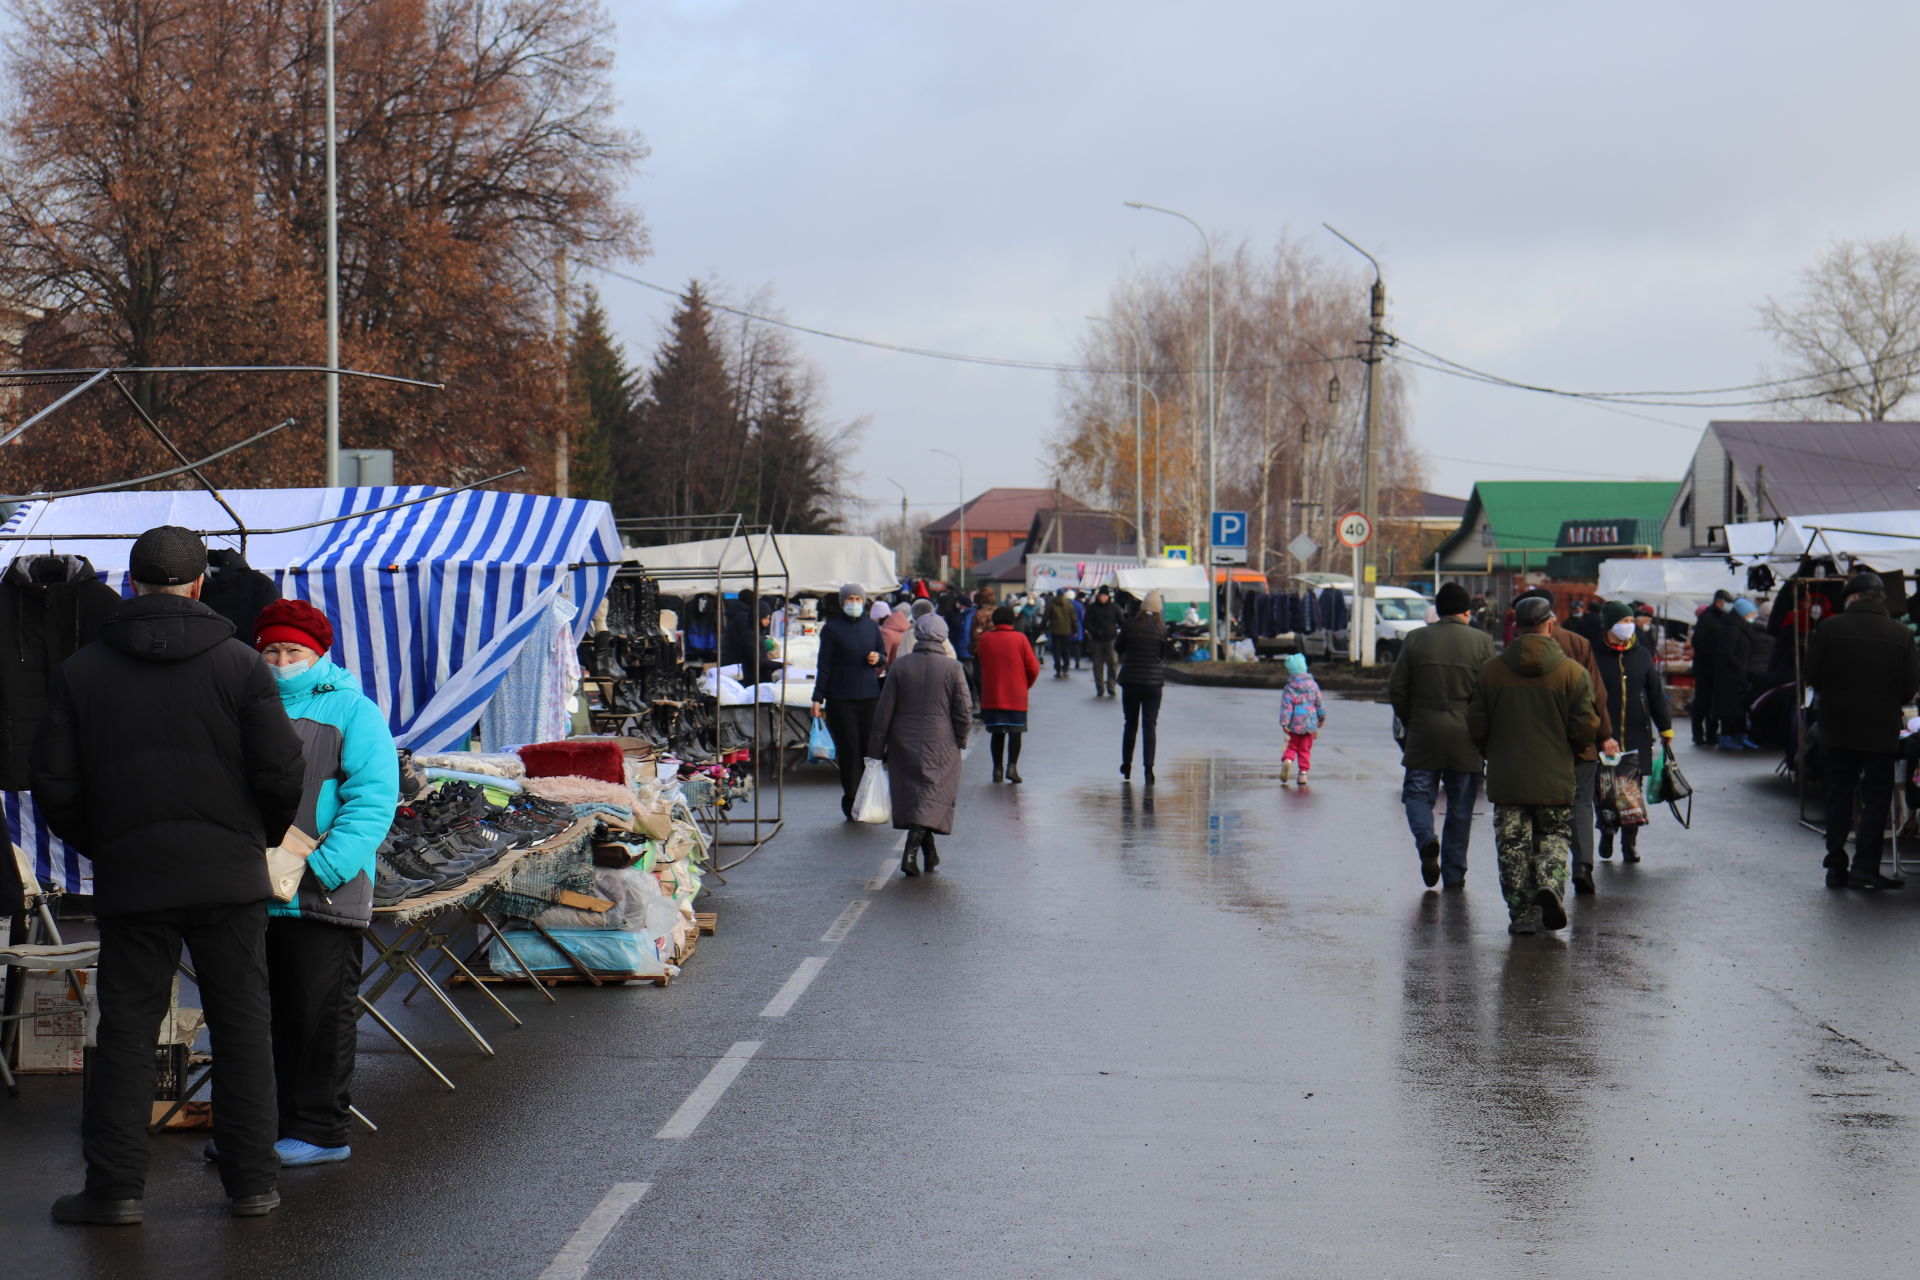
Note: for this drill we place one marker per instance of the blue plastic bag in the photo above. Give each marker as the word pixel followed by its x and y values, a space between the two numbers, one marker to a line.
pixel 819 743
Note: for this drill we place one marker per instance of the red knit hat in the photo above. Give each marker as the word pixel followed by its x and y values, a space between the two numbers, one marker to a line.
pixel 293 622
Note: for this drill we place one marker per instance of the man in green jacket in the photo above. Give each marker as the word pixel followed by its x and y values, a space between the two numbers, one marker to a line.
pixel 1061 623
pixel 1431 685
pixel 1531 715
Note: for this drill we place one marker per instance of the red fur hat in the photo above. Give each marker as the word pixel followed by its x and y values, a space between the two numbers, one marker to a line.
pixel 293 622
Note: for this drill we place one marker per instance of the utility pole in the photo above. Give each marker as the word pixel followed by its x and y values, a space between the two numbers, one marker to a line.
pixel 1360 645
pixel 333 276
pixel 563 441
pixel 905 565
pixel 960 476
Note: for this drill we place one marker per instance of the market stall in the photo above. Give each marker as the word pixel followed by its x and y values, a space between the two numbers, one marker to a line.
pixel 432 603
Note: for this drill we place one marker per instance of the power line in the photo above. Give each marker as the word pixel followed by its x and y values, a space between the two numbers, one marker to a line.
pixel 1648 398
pixel 1521 466
pixel 930 353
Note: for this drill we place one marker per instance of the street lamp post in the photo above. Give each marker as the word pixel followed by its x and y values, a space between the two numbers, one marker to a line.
pixel 1362 648
pixel 960 471
pixel 903 568
pixel 1139 437
pixel 1213 612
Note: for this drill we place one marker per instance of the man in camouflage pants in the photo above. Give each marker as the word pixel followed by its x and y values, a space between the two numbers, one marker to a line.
pixel 1530 715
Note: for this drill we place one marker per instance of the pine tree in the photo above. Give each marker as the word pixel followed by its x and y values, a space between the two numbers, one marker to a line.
pixel 607 396
pixel 797 470
pixel 671 463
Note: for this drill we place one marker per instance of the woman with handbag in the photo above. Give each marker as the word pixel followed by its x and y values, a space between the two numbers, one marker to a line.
pixel 1633 685
pixel 313 942
pixel 919 730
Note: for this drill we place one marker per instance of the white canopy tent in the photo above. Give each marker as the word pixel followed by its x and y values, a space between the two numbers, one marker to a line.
pixel 1675 588
pixel 1184 584
pixel 813 562
pixel 1883 539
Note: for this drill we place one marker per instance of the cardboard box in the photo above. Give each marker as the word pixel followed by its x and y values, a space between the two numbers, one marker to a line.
pixel 51 1042
pixel 173 1068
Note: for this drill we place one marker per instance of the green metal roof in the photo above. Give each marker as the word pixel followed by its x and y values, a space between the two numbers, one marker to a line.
pixel 1529 513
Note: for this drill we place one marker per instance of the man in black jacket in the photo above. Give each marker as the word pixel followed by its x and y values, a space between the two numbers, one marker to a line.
pixel 1103 636
pixel 168 759
pixel 1863 667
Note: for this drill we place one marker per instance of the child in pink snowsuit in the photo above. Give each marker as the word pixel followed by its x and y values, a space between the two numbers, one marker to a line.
pixel 1301 715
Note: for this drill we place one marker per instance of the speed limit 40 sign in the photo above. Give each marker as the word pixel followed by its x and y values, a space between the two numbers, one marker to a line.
pixel 1355 529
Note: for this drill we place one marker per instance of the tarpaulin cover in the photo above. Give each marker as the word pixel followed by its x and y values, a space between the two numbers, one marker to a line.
pixel 429 603
pixel 812 561
pixel 1883 539
pixel 1675 588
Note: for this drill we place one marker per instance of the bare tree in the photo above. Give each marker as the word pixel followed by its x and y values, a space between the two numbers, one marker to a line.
pixel 1852 331
pixel 1289 379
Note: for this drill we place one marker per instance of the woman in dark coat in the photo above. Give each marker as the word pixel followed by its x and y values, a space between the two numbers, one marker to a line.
pixel 1638 699
pixel 920 729
pixel 1143 678
pixel 1732 654
pixel 846 685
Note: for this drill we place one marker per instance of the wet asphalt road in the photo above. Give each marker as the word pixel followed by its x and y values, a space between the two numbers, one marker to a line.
pixel 1220 1030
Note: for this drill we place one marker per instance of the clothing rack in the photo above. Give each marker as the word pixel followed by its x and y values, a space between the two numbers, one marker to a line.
pixel 761 572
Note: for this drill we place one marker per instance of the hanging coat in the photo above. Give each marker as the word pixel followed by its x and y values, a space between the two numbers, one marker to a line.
pixel 237 591
pixel 919 729
pixel 50 607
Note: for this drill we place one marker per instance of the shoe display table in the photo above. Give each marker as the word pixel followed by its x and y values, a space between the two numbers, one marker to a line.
pixel 418 936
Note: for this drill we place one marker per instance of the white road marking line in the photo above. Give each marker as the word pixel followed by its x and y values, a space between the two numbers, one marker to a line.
pixel 708 1091
pixel 844 925
pixel 885 877
pixel 782 1003
pixel 571 1262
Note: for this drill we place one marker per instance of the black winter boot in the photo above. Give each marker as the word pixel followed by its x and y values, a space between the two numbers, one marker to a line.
pixel 909 866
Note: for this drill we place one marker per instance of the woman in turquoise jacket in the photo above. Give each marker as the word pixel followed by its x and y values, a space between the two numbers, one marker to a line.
pixel 313 943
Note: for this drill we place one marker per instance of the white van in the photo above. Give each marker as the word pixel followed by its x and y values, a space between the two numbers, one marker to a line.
pixel 1397 611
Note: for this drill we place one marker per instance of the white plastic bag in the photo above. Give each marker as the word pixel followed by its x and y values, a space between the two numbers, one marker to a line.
pixel 873 802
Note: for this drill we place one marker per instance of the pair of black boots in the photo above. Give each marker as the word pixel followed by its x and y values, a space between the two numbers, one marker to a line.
pixel 1629 841
pixel 919 843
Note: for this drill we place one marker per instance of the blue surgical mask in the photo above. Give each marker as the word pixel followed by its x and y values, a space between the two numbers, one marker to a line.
pixel 853 608
pixel 293 669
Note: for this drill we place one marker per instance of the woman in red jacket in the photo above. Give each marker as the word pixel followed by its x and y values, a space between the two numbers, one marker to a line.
pixel 1008 668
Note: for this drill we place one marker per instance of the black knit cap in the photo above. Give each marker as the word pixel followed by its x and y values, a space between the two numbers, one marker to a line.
pixel 1451 599
pixel 167 556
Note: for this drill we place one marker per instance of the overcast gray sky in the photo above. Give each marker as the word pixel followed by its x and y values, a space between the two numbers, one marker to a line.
pixel 1592 197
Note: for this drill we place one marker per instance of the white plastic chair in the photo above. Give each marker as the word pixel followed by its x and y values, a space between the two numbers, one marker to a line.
pixel 43 949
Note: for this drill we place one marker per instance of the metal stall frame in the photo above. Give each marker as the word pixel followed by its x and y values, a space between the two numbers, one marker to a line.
pixel 755 540
pixel 1812 551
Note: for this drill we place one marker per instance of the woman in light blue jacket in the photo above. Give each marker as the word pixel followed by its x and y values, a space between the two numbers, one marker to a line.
pixel 313 942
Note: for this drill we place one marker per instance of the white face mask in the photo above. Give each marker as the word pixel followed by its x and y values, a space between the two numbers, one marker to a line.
pixel 293 669
pixel 1623 629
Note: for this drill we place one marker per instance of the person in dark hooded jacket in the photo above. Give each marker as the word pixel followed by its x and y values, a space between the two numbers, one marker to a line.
pixel 168 759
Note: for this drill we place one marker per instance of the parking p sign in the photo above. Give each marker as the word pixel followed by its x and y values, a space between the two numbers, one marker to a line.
pixel 1230 529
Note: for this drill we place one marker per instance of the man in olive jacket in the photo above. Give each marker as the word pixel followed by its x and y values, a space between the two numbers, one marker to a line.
pixel 1863 667
pixel 1586 766
pixel 1431 685
pixel 1531 716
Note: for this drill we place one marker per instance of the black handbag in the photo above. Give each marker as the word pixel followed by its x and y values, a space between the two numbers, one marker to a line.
pixel 1674 788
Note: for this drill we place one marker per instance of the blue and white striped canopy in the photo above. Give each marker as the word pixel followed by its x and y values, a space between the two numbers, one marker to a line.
pixel 430 603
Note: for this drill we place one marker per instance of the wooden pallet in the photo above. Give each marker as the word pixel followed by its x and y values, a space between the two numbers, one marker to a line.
pixel 562 978
pixel 709 921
